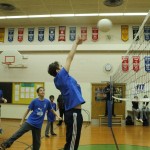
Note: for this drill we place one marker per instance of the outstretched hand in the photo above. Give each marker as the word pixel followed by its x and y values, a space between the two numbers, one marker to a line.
pixel 79 40
pixel 59 118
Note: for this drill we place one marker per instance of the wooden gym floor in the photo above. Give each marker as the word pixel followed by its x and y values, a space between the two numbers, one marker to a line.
pixel 92 138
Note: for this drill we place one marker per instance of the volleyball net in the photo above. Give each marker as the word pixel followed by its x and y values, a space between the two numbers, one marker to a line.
pixel 134 70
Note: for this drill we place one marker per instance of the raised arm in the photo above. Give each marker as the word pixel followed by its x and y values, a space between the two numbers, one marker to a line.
pixel 72 53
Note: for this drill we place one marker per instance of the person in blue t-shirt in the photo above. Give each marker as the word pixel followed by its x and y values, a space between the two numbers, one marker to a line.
pixel 50 118
pixel 5 101
pixel 72 95
pixel 34 122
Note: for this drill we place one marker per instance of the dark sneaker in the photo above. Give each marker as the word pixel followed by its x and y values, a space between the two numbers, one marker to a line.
pixel 54 134
pixel 47 136
pixel 58 124
pixel 1 131
pixel 2 147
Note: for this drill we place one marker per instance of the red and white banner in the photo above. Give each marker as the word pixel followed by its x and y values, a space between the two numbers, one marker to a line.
pixel 125 63
pixel 62 33
pixel 84 33
pixel 20 34
pixel 136 63
pixel 94 34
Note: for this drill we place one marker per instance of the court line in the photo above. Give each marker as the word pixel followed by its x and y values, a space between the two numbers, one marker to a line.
pixel 114 138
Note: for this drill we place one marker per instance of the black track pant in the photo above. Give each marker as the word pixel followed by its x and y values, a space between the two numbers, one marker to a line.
pixel 73 121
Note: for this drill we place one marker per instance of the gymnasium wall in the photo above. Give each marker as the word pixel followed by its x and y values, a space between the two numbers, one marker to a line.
pixel 87 66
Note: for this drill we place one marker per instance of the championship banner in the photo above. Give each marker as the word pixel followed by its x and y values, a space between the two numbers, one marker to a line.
pixel 147 33
pixel 94 34
pixel 125 63
pixel 135 31
pixel 62 33
pixel 136 63
pixel 84 33
pixel 124 32
pixel 20 34
pixel 51 34
pixel 147 63
pixel 72 35
pixel 10 34
pixel 30 34
pixel 41 34
pixel 2 34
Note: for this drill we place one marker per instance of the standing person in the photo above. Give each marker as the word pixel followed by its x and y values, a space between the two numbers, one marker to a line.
pixel 136 109
pixel 107 92
pixel 61 107
pixel 50 118
pixel 145 108
pixel 73 99
pixel 5 101
pixel 34 122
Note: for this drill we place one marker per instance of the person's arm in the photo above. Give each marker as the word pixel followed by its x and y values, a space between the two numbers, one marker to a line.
pixel 54 112
pixel 24 116
pixel 72 53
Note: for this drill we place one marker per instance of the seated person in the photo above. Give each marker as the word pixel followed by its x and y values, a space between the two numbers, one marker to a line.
pixel 136 109
pixel 145 108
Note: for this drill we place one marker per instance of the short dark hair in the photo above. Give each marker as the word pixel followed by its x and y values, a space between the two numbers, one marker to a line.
pixel 51 97
pixel 39 89
pixel 145 96
pixel 52 68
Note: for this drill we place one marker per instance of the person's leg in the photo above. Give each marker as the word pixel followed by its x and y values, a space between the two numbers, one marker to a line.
pixel 51 129
pixel 24 128
pixel 47 129
pixel 141 115
pixel 69 128
pixel 1 130
pixel 36 137
pixel 73 121
pixel 79 127
pixel 106 110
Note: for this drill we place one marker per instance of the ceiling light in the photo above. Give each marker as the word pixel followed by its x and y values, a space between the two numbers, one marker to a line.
pixel 62 15
pixel 113 3
pixel 73 15
pixel 82 15
pixel 39 16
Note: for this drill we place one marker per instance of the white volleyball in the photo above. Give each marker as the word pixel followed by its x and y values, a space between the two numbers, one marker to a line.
pixel 104 25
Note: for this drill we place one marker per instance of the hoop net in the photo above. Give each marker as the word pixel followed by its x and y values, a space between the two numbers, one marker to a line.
pixel 136 71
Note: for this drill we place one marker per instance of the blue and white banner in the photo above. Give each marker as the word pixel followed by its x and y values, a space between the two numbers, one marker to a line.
pixel 51 33
pixel 147 33
pixel 41 34
pixel 72 35
pixel 10 34
pixel 30 34
pixel 135 31
pixel 147 63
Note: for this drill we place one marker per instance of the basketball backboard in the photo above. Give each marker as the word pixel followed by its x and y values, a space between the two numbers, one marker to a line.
pixel 13 59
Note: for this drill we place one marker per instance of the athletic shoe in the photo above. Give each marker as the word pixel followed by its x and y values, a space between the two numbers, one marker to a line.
pixel 141 120
pixel 1 131
pixel 2 147
pixel 54 134
pixel 47 136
